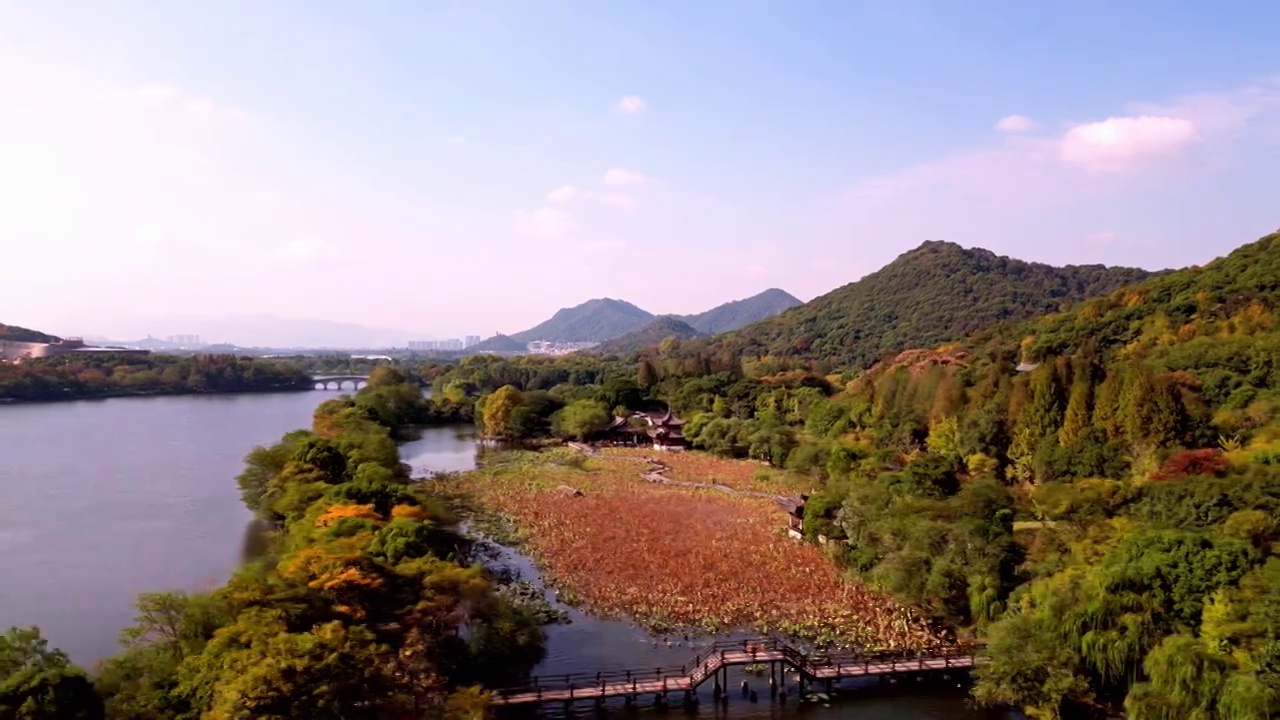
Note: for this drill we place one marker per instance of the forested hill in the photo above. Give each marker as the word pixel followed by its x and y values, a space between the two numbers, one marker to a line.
pixel 648 336
pixel 740 313
pixel 1222 310
pixel 21 334
pixel 932 294
pixel 593 321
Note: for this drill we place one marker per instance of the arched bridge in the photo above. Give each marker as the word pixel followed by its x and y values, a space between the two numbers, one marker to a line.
pixel 335 382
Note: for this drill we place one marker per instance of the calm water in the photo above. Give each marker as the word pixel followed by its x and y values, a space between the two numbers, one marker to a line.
pixel 107 499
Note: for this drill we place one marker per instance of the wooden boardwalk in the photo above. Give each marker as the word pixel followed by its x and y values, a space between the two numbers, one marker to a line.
pixel 723 655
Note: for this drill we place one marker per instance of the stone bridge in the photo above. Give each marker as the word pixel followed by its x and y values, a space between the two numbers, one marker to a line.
pixel 335 382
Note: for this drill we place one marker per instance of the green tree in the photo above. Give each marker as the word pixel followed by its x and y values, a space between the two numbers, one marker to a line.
pixel 500 409
pixel 1075 423
pixel 581 419
pixel 37 683
pixel 385 376
pixel 646 373
pixel 944 440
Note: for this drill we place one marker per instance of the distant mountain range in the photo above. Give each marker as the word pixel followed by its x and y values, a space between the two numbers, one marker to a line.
pixel 606 318
pixel 937 292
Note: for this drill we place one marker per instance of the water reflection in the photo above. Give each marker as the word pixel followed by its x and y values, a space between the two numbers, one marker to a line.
pixel 431 450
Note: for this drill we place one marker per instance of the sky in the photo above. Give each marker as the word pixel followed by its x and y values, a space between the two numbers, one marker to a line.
pixel 452 168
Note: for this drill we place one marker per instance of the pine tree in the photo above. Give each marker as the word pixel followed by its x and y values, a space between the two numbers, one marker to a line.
pixel 1106 407
pixel 1075 423
pixel 646 373
pixel 1043 416
pixel 1138 406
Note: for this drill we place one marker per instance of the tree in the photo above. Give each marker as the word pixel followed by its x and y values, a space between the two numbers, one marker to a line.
pixel 1076 420
pixel 258 669
pixel 385 376
pixel 944 440
pixel 323 456
pixel 581 419
pixel 499 409
pixel 37 683
pixel 646 373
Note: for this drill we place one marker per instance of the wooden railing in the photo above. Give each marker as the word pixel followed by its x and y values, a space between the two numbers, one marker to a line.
pixel 724 653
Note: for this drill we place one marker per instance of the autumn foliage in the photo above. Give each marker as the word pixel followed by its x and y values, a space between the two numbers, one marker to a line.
pixel 339 512
pixel 410 512
pixel 1189 463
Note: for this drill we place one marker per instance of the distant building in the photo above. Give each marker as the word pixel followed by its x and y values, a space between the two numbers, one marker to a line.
pixel 554 347
pixel 471 340
pixel 184 340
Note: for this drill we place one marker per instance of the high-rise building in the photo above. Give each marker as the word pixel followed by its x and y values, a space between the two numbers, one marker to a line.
pixel 184 340
pixel 471 340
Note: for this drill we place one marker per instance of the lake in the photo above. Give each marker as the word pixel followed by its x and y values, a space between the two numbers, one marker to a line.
pixel 105 499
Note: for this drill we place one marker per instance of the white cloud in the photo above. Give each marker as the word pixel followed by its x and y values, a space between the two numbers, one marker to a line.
pixel 545 222
pixel 618 200
pixel 565 193
pixel 1016 124
pixel 1119 143
pixel 631 105
pixel 620 176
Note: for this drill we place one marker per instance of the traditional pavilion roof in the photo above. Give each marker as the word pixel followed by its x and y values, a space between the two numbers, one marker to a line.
pixel 669 433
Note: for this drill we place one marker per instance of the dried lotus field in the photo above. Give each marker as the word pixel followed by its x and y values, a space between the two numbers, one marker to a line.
pixel 675 558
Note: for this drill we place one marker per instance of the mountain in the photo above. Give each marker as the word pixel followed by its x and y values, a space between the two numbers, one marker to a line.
pixel 592 321
pixel 21 334
pixel 927 296
pixel 498 344
pixel 740 313
pixel 654 333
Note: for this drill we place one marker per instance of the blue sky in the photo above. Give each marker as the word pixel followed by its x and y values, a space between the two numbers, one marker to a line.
pixel 470 167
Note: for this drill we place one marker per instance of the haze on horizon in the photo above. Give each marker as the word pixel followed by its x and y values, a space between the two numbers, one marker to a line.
pixel 452 169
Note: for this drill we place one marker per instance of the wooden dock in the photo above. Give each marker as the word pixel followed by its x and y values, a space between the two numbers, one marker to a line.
pixel 713 666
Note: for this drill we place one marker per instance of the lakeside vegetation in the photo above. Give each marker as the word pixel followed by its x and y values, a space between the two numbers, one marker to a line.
pixel 98 375
pixel 366 605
